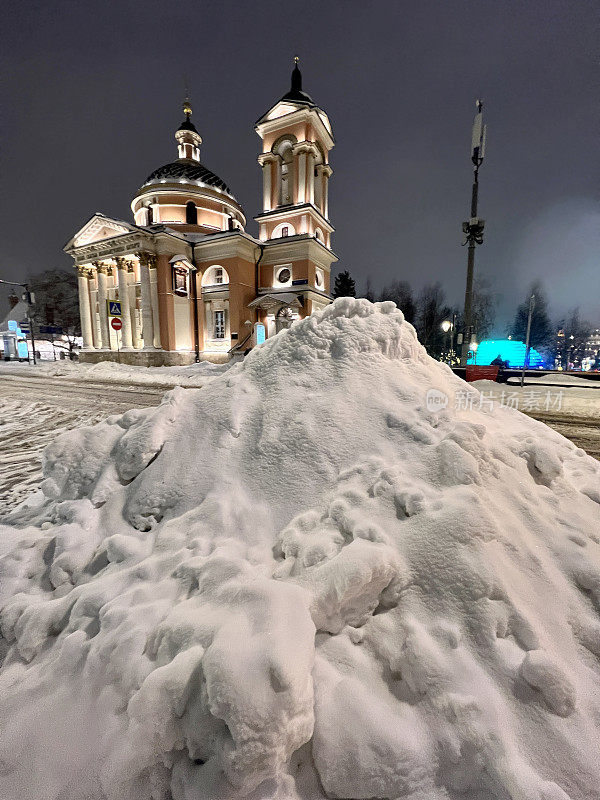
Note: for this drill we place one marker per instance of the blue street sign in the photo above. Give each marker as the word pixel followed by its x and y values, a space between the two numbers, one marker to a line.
pixel 54 330
pixel 114 308
pixel 24 326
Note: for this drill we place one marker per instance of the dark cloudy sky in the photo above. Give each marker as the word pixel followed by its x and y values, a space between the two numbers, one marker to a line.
pixel 91 96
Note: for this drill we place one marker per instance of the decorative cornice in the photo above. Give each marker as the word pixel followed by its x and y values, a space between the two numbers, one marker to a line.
pixel 267 158
pixel 305 147
pixel 286 212
pixel 295 248
pixel 265 126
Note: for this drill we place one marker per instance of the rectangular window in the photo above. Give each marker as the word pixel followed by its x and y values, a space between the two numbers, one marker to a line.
pixel 218 275
pixel 285 231
pixel 219 325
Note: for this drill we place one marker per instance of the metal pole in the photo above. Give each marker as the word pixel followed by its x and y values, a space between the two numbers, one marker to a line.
pixel 473 229
pixel 467 320
pixel 31 334
pixel 526 361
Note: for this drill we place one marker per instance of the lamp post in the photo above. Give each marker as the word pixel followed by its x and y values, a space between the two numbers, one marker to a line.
pixel 446 327
pixel 473 227
pixel 449 327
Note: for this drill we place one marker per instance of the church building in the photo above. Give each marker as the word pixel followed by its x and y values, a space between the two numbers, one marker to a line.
pixel 185 281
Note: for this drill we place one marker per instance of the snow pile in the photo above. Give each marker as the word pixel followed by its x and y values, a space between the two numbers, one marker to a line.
pixel 312 578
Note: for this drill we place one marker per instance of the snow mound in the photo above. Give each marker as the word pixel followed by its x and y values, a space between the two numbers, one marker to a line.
pixel 314 577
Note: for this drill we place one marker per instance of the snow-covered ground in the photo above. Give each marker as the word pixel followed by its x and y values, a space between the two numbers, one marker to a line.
pixel 112 372
pixel 317 576
pixel 558 399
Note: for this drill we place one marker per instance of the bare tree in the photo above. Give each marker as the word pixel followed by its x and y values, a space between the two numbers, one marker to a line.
pixel 432 310
pixel 369 291
pixel 483 308
pixel 400 292
pixel 571 346
pixel 57 303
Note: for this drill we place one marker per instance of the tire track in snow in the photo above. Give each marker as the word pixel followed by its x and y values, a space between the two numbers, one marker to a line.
pixel 34 411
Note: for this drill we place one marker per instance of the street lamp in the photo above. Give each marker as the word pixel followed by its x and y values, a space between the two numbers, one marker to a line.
pixel 446 326
pixel 473 227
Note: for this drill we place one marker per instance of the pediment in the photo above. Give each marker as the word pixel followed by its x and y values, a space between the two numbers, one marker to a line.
pixel 98 228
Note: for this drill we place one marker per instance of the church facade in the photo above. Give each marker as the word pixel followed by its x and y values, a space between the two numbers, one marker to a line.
pixel 185 279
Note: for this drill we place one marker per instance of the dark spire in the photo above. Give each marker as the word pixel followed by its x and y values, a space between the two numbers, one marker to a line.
pixel 295 93
pixel 296 76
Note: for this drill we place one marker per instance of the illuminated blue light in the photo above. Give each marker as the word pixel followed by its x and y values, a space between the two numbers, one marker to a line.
pixel 508 350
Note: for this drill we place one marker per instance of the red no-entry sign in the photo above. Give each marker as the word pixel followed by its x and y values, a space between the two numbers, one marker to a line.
pixel 116 324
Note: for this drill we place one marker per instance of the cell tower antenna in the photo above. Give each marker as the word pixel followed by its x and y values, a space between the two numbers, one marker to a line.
pixel 473 228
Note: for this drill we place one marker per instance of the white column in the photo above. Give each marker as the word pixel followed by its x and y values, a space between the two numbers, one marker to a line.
pixel 84 308
pixel 278 197
pixel 147 318
pixel 136 335
pixel 310 178
pixel 102 297
pixel 301 178
pixel 326 173
pixel 124 299
pixel 96 333
pixel 154 299
pixel 266 160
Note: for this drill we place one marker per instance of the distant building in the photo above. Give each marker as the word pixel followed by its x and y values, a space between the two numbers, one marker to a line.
pixel 191 282
pixel 13 341
pixel 592 351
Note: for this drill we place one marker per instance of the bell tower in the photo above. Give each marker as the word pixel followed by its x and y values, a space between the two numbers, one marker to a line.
pixel 296 139
pixel 294 227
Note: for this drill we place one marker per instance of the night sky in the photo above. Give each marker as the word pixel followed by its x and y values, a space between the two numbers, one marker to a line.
pixel 91 96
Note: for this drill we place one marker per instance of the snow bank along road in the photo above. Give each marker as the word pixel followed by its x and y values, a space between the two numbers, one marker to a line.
pixel 35 409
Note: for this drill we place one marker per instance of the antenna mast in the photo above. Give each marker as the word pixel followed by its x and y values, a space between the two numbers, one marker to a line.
pixel 473 228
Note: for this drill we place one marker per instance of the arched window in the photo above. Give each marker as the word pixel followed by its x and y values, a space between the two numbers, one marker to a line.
pixel 215 276
pixel 191 213
pixel 319 234
pixel 283 148
pixel 283 229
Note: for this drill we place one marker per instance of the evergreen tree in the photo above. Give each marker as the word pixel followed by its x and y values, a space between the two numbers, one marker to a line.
pixel 540 335
pixel 344 285
pixel 400 292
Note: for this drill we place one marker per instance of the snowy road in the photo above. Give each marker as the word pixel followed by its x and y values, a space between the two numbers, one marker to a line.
pixel 35 409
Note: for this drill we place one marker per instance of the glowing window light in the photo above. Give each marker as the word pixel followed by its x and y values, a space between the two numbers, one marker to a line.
pixel 509 350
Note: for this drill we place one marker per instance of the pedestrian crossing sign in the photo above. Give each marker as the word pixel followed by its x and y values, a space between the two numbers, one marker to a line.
pixel 114 308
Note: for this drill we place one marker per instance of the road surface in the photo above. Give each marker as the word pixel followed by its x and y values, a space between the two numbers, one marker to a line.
pixel 33 410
